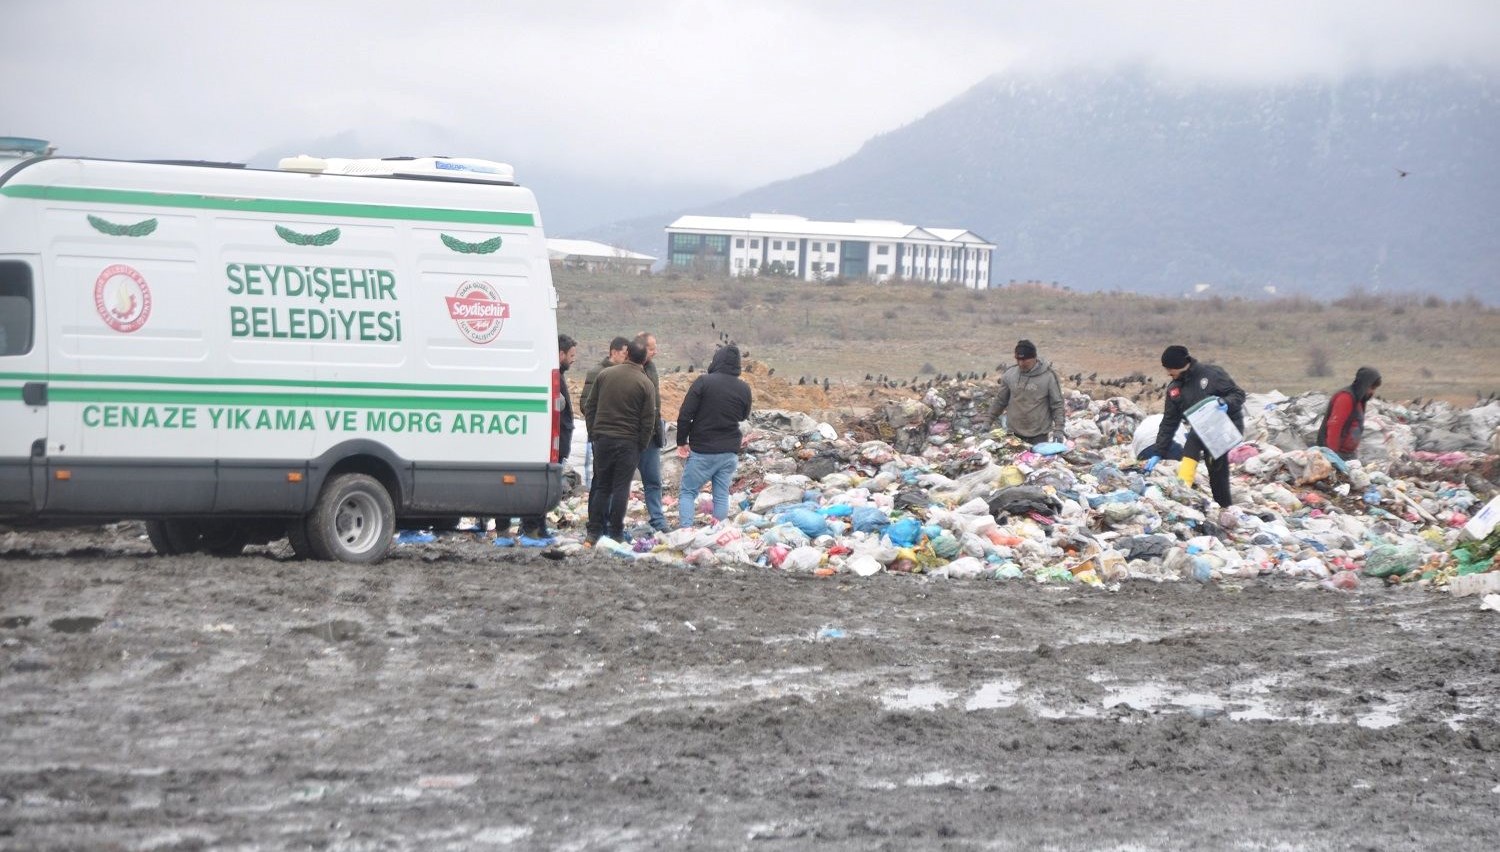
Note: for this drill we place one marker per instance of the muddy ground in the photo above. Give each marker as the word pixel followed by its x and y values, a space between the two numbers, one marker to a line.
pixel 462 696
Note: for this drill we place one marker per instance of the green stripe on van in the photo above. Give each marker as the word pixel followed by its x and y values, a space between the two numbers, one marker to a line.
pixel 144 396
pixel 139 198
pixel 485 390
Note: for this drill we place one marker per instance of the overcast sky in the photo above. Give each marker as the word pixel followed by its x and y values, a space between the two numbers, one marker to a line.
pixel 732 92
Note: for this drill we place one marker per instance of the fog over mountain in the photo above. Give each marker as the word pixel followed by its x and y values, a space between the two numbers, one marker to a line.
pixel 1123 181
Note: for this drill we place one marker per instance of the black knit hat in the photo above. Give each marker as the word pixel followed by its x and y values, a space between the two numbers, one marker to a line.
pixel 1025 349
pixel 1175 357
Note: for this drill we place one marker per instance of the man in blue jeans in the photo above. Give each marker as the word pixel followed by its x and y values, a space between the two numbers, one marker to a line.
pixel 708 433
pixel 650 463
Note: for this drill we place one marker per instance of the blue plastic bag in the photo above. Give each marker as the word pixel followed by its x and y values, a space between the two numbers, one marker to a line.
pixel 810 522
pixel 869 519
pixel 903 533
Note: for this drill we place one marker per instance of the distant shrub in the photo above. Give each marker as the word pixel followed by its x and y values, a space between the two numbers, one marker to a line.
pixel 927 368
pixel 1432 302
pixel 1379 336
pixel 939 292
pixel 1358 300
pixel 1319 362
pixel 891 313
pixel 735 298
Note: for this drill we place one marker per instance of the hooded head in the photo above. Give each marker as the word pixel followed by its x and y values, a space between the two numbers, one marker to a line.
pixel 726 360
pixel 1366 380
pixel 1175 357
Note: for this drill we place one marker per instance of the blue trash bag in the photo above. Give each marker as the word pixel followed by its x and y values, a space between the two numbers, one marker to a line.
pixel 869 519
pixel 807 520
pixel 904 533
pixel 837 510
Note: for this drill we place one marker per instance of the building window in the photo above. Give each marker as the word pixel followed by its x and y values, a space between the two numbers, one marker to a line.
pixel 882 249
pixel 880 269
pixel 739 242
pixel 776 246
pixel 755 244
pixel 717 242
pixel 686 242
pixel 754 263
pixel 739 263
pixel 791 268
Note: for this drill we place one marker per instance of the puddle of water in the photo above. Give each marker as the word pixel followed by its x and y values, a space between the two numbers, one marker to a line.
pixel 922 697
pixel 75 624
pixel 1383 716
pixel 938 779
pixel 994 695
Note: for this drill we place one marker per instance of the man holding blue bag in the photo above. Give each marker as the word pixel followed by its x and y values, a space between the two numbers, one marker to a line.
pixel 1192 383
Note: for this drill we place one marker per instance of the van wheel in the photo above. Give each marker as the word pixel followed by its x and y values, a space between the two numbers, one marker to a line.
pixel 353 520
pixel 301 542
pixel 223 538
pixel 173 536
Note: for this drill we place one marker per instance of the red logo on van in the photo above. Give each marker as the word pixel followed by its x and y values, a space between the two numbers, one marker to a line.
pixel 122 298
pixel 478 311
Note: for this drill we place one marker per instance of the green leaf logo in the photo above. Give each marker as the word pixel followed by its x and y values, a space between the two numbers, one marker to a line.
pixel 487 247
pixel 139 229
pixel 327 238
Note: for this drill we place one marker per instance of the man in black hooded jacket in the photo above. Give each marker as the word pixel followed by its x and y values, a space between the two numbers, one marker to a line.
pixel 708 433
pixel 1193 382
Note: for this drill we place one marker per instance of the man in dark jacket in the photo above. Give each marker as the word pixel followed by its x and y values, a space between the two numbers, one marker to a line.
pixel 708 433
pixel 1193 382
pixel 621 413
pixel 534 529
pixel 616 356
pixel 651 456
pixel 1344 421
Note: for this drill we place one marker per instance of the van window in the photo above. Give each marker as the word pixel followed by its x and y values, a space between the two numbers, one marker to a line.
pixel 17 313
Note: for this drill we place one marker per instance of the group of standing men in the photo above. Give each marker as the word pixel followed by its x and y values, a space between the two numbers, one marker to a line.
pixel 621 404
pixel 1032 395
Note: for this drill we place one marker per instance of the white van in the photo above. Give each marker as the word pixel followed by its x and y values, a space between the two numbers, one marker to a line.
pixel 324 352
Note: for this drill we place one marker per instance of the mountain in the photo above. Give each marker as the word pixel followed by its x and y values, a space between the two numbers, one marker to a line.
pixel 1123 181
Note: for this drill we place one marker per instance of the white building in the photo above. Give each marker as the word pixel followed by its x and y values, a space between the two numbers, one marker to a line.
pixel 877 249
pixel 596 257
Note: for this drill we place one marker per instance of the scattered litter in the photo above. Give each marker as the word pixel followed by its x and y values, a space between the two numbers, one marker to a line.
pixel 932 487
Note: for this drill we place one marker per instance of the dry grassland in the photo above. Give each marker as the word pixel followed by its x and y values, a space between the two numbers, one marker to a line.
pixel 1425 347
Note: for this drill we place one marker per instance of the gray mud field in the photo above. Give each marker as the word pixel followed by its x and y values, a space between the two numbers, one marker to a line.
pixel 462 696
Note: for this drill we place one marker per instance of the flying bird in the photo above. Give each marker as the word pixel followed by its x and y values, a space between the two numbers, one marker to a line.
pixel 1401 173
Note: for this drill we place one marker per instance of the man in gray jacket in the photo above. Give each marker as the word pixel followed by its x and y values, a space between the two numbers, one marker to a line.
pixel 1033 396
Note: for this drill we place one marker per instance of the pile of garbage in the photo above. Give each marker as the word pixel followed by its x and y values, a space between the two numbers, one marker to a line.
pixel 932 486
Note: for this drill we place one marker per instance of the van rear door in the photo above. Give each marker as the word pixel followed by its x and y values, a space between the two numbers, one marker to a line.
pixel 23 385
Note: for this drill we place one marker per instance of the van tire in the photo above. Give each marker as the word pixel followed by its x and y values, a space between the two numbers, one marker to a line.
pixel 353 520
pixel 223 538
pixel 179 536
pixel 301 542
pixel 172 536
